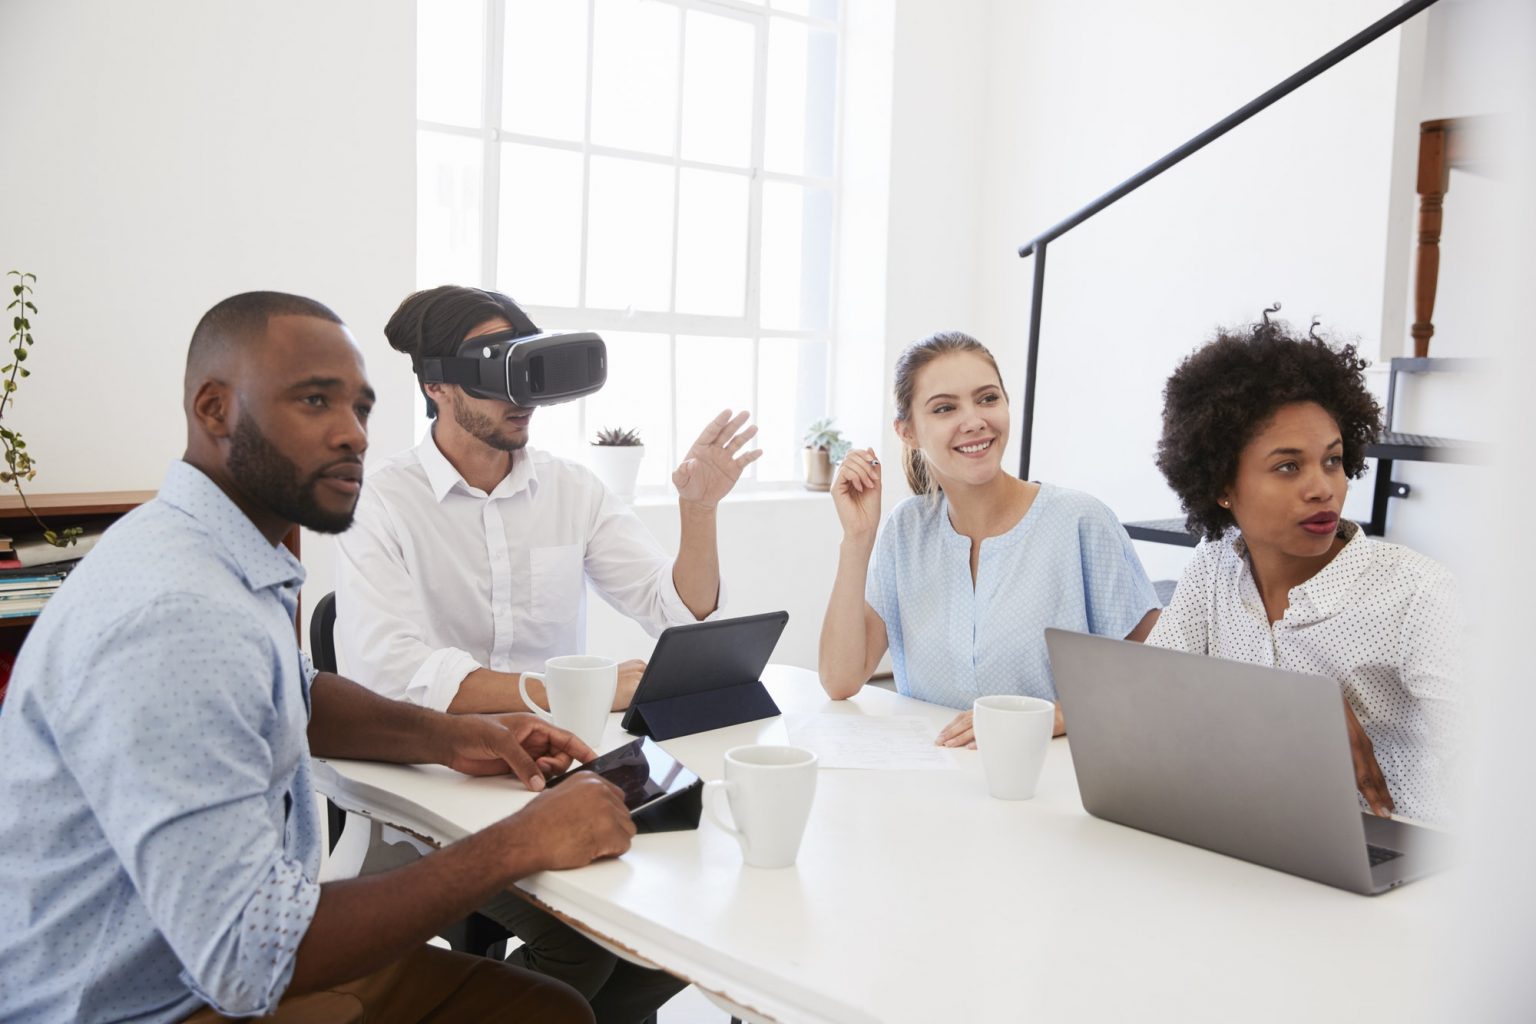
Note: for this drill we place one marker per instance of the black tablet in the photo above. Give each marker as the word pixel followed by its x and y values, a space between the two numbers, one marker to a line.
pixel 660 793
pixel 705 675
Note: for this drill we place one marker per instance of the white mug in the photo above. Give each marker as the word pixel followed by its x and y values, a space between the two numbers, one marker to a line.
pixel 1013 735
pixel 580 688
pixel 770 791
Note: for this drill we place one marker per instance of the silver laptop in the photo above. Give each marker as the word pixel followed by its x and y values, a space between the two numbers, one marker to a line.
pixel 1246 760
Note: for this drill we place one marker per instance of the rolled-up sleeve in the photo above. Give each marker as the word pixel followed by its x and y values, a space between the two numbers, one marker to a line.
pixel 633 574
pixel 189 805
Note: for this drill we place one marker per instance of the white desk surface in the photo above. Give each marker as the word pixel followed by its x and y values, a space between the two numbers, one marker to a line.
pixel 916 897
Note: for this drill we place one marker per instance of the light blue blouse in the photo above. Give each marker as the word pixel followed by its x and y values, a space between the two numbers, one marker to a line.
pixel 1068 563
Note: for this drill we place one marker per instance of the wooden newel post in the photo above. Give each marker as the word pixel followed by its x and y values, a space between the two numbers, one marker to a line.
pixel 1434 182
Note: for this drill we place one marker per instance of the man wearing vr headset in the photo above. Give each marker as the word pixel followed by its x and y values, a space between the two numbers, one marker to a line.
pixel 468 560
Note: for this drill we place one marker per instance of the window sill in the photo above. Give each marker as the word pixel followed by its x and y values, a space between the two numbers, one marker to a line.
pixel 793 494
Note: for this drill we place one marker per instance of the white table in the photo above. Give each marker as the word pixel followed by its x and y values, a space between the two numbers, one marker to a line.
pixel 916 897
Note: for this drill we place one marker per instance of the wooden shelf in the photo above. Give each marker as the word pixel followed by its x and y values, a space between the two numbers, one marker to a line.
pixel 60 510
pixel 79 503
pixel 75 509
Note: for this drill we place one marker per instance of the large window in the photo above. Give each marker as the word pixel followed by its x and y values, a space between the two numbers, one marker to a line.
pixel 661 171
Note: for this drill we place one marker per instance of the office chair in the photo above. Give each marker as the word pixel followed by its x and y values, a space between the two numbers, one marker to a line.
pixel 475 934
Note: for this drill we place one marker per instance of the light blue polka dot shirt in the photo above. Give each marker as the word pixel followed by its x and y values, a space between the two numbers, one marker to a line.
pixel 159 839
pixel 1068 563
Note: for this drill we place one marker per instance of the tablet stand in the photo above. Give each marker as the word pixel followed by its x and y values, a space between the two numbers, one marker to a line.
pixel 671 717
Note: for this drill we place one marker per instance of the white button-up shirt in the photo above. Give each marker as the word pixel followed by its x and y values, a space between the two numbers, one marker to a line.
pixel 437 578
pixel 1380 618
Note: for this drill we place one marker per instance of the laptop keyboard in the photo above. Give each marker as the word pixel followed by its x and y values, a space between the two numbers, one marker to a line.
pixel 1380 854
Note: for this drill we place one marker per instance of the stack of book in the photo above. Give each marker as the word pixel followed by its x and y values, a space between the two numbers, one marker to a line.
pixel 24 591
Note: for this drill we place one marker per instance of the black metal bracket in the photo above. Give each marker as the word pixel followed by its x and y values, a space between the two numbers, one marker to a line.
pixel 1385 490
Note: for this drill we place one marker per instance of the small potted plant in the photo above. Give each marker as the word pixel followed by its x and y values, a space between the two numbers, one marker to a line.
pixel 616 454
pixel 824 449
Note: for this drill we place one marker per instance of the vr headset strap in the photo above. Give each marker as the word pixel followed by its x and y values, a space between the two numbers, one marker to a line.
pixel 451 370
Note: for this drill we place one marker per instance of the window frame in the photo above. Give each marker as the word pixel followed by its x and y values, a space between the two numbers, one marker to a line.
pixel 492 138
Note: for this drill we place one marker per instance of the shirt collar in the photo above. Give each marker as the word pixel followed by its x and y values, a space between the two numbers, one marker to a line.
pixel 443 477
pixel 1325 593
pixel 262 563
pixel 1013 535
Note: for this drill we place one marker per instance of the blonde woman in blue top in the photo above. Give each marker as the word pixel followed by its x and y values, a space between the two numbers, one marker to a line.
pixel 968 573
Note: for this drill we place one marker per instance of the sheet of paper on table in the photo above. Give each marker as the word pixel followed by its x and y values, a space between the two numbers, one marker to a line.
pixel 869 741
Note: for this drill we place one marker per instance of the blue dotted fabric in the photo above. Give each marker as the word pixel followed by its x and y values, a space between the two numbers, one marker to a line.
pixel 1068 564
pixel 157 821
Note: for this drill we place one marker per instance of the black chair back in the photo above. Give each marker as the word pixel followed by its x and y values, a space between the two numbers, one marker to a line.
pixel 322 634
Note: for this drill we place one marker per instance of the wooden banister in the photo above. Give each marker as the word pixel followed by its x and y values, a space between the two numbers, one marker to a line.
pixel 1443 144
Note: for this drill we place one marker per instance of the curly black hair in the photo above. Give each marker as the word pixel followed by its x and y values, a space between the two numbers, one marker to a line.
pixel 1226 391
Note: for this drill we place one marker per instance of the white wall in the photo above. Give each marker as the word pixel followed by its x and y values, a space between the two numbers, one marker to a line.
pixel 162 155
pixel 776 554
pixel 1479 62
pixel 1291 206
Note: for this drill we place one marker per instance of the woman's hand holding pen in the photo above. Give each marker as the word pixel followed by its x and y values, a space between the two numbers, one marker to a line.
pixel 856 493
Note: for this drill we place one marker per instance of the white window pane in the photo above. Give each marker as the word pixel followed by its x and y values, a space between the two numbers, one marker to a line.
pixel 802 93
pixel 797 256
pixel 539 247
pixel 634 75
pixel 712 243
pixel 791 395
pixel 629 247
pixel 557 428
pixel 450 52
pixel 638 395
pixel 448 169
pixel 712 374
pixel 717 90
pixel 544 68
pixel 826 9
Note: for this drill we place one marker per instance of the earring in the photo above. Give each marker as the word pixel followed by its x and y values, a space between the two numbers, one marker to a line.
pixel 1224 503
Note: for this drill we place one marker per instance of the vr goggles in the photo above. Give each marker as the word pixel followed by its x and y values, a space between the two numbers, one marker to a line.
pixel 526 370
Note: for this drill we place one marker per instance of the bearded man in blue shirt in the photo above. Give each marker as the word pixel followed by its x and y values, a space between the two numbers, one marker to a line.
pixel 157 816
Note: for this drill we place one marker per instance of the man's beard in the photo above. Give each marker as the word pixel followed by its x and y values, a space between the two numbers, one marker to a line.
pixel 270 478
pixel 482 428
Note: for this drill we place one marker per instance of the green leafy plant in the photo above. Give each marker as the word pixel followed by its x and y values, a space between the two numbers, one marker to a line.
pixel 822 434
pixel 19 464
pixel 618 437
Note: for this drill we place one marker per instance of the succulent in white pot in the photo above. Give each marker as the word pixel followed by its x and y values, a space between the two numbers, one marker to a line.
pixel 615 458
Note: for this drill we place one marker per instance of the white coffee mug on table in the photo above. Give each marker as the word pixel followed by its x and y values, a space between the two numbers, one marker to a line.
pixel 1013 734
pixel 580 689
pixel 769 789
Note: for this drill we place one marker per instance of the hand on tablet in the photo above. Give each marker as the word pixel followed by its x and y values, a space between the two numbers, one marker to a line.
pixel 579 821
pixel 629 677
pixel 524 745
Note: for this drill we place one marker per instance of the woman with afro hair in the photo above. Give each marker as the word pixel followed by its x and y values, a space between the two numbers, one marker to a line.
pixel 1262 432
